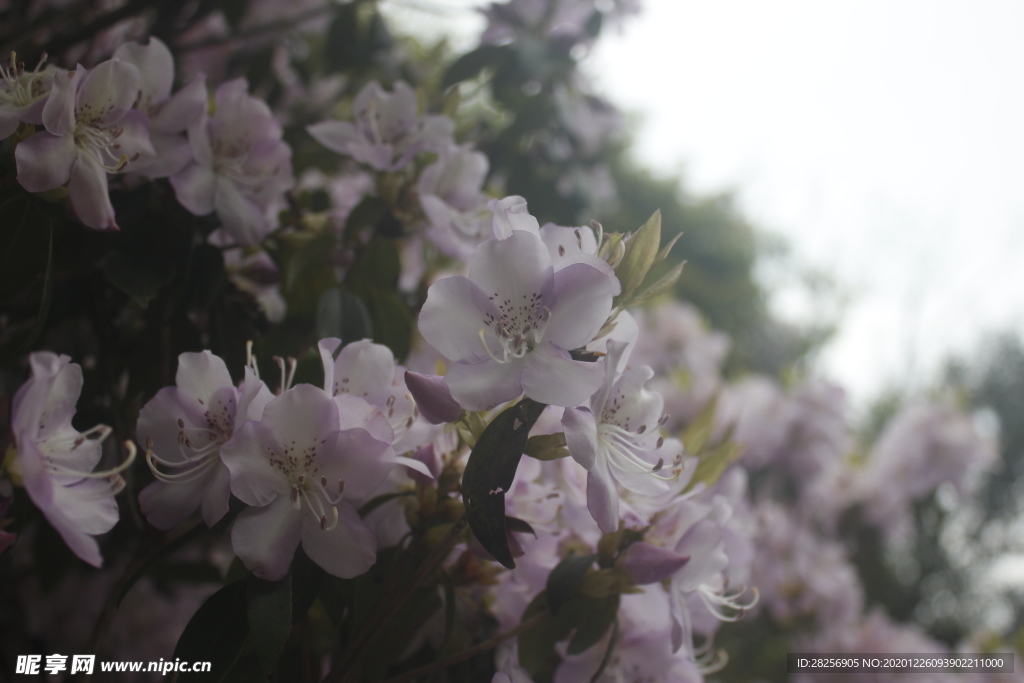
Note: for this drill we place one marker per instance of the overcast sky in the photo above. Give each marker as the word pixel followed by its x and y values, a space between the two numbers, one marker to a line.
pixel 883 139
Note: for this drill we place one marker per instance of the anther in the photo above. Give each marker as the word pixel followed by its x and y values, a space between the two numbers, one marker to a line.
pixel 662 420
pixel 181 423
pixel 643 428
pixel 323 482
pixel 661 463
pixel 661 442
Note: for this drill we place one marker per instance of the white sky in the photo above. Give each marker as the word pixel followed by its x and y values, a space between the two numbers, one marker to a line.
pixel 883 139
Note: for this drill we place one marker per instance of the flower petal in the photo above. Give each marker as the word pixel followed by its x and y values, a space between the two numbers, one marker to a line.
pixel 512 270
pixel 90 197
pixel 218 495
pixel 194 187
pixel 107 92
pixel 486 384
pixel 433 397
pixel 647 563
pixel 265 538
pixel 242 218
pixel 603 498
pixel 347 550
pixel 165 505
pixel 200 375
pixel 156 70
pixel 453 315
pixel 511 214
pixel 253 478
pixel 186 108
pixel 44 161
pixel 581 435
pixel 582 301
pixel 551 376
pixel 336 136
pixel 59 110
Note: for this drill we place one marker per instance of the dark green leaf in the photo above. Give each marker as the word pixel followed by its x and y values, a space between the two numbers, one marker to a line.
pixel 565 578
pixel 537 652
pixel 378 266
pixel 591 618
pixel 519 525
pixel 342 314
pixel 472 63
pixel 391 322
pixel 270 617
pixel 366 215
pixel 547 446
pixel 216 633
pixel 140 276
pixel 375 503
pixel 489 473
pixel 609 651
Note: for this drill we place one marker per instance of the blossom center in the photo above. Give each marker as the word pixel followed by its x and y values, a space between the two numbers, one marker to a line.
pixel 517 330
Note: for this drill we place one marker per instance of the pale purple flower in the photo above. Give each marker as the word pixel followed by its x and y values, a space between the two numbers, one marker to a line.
pixel 184 427
pixel 922 447
pixel 616 439
pixel 686 357
pixel 449 192
pixel 369 371
pixel 241 167
pixel 169 116
pixel 299 467
pixel 22 94
pixel 803 577
pixel 508 328
pixel 56 461
pixel 388 131
pixel 91 130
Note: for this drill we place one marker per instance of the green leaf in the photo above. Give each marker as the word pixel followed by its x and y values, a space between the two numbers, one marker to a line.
pixel 391 321
pixel 609 651
pixel 712 465
pixel 547 446
pixel 591 618
pixel 307 580
pixel 565 578
pixel 661 286
pixel 641 250
pixel 695 436
pixel 472 63
pixel 375 503
pixel 269 617
pixel 342 314
pixel 366 214
pixel 216 633
pixel 139 275
pixel 489 473
pixel 537 652
pixel 519 526
pixel 378 266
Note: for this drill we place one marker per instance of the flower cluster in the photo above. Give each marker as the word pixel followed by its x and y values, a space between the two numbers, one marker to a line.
pixel 121 117
pixel 303 460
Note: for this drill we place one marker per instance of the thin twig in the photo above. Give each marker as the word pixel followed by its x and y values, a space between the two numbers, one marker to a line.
pixel 471 652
